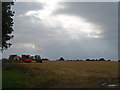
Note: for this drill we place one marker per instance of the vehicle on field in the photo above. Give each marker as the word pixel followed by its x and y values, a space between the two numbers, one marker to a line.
pixel 12 57
pixel 26 58
pixel 38 58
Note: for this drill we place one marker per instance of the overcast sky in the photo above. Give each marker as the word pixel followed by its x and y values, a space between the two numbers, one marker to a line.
pixel 73 30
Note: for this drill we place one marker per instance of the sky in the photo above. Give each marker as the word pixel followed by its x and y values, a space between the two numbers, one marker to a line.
pixel 72 30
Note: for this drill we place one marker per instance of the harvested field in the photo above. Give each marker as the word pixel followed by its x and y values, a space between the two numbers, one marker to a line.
pixel 61 74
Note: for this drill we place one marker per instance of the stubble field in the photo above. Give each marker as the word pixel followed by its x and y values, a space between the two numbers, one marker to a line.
pixel 60 74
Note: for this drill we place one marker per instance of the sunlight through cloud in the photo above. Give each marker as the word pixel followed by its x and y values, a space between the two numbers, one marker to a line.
pixel 75 26
pixel 72 25
pixel 26 45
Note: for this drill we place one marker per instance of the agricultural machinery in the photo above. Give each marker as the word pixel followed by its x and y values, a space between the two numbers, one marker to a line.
pixel 26 58
pixel 38 58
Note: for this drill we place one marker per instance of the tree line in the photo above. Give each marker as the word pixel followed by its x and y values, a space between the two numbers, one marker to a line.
pixel 101 59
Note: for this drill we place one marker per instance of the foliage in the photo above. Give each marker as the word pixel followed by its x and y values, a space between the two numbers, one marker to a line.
pixel 7 24
pixel 61 59
pixel 101 59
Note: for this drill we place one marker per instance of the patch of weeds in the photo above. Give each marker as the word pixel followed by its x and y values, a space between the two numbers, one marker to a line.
pixel 13 76
pixel 12 79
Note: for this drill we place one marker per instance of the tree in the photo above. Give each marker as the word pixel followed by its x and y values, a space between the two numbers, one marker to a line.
pixel 61 59
pixel 101 59
pixel 87 59
pixel 7 24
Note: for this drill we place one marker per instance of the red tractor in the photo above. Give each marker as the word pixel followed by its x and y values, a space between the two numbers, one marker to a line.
pixel 26 58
